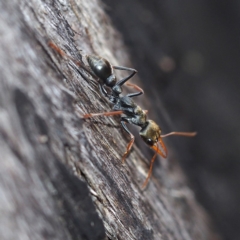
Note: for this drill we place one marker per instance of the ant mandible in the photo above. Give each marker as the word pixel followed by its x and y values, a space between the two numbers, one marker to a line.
pixel 130 112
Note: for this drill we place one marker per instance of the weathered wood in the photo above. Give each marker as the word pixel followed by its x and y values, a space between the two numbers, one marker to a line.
pixel 44 141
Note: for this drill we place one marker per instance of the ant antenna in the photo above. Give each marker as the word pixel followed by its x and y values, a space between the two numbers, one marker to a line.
pixel 184 134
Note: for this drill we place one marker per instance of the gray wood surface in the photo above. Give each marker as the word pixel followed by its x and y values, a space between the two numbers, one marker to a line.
pixel 61 176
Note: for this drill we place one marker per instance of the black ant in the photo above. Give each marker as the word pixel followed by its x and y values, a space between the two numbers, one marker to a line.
pixel 124 105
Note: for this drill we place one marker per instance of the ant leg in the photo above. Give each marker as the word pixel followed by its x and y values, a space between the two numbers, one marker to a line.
pixel 63 54
pixel 158 150
pixel 135 87
pixel 150 170
pixel 129 146
pixel 135 94
pixel 90 115
pixel 122 81
pixel 103 90
pixel 56 49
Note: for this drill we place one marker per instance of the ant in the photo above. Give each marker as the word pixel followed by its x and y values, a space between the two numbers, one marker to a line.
pixel 130 112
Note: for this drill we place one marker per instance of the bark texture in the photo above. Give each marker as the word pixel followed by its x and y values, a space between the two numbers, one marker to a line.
pixel 189 51
pixel 61 176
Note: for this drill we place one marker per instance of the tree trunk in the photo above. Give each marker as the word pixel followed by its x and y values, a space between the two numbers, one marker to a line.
pixel 62 176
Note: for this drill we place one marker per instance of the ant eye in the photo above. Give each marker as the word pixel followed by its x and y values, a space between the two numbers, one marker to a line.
pixel 149 141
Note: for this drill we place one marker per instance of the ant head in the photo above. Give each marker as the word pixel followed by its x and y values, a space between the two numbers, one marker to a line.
pixel 150 133
pixel 102 68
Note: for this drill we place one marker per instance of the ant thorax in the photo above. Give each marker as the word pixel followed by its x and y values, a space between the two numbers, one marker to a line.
pixel 140 116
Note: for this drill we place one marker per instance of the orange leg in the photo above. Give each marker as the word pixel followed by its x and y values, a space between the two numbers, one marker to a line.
pixel 135 87
pixel 150 170
pixel 129 147
pixel 63 54
pixel 130 144
pixel 90 115
pixel 157 151
pixel 56 48
pixel 164 148
pixel 156 148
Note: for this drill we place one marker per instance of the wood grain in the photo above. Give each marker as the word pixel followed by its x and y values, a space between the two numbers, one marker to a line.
pixel 62 176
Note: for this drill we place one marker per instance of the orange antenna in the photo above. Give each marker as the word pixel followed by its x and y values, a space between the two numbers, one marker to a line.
pixel 184 134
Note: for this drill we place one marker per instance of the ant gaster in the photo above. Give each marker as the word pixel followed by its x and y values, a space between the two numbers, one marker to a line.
pixel 130 112
pixel 104 71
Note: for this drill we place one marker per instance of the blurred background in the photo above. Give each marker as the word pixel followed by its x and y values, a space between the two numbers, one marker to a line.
pixel 187 54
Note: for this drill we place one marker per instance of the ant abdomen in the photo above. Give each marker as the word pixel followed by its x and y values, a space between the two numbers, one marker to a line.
pixel 102 69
